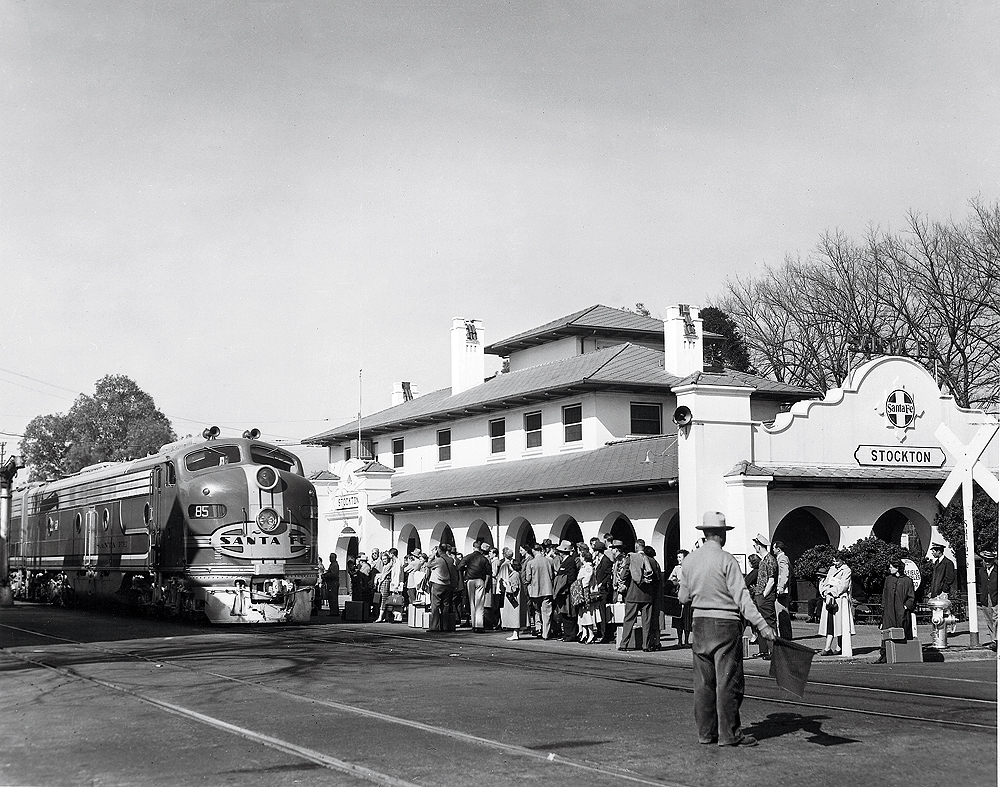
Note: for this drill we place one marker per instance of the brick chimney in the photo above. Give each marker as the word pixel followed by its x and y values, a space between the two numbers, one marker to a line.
pixel 683 345
pixel 468 361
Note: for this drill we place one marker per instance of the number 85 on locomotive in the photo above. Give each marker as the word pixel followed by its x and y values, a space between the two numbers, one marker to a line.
pixel 216 528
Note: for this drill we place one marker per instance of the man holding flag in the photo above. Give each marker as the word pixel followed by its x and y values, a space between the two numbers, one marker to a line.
pixel 713 584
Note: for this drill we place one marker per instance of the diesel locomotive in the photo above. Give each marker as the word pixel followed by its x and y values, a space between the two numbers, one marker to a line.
pixel 216 528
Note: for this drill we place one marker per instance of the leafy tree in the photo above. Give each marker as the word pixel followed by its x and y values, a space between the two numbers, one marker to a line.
pixel 814 560
pixel 869 561
pixel 950 522
pixel 119 422
pixel 732 352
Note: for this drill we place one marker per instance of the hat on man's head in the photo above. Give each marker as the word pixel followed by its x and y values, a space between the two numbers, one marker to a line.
pixel 564 546
pixel 618 544
pixel 713 520
pixel 987 554
pixel 936 545
pixel 762 540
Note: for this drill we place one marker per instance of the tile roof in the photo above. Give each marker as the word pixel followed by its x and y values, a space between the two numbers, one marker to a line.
pixel 745 379
pixel 626 366
pixel 602 318
pixel 843 473
pixel 617 466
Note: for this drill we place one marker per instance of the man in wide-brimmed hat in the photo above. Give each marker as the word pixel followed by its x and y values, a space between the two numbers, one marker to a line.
pixel 713 584
pixel 986 582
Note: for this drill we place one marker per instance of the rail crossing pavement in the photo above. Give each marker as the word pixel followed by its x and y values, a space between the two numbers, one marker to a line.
pixel 91 698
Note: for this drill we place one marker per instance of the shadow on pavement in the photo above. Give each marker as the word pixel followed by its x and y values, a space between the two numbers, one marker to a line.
pixel 778 724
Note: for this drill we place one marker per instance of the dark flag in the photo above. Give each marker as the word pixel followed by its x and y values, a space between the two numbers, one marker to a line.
pixel 790 664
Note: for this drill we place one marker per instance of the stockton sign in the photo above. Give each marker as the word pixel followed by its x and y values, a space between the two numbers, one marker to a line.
pixel 899 456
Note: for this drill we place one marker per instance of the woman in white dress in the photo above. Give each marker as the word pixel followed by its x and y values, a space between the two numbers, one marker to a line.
pixel 836 592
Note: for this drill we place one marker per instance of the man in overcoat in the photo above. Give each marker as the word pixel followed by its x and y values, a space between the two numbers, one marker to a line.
pixel 638 597
pixel 565 576
pixel 943 575
pixel 539 577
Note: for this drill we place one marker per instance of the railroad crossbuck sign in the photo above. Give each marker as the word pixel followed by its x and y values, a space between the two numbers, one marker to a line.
pixel 968 468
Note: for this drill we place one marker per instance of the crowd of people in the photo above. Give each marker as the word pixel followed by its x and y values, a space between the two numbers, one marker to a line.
pixel 600 592
pixel 584 592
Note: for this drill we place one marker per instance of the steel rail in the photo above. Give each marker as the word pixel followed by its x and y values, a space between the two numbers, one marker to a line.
pixel 550 758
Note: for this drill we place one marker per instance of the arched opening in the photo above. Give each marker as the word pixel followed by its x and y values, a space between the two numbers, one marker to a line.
pixel 800 530
pixel 409 539
pixel 905 527
pixel 566 528
pixel 620 527
pixel 520 533
pixel 442 534
pixel 478 531
pixel 671 523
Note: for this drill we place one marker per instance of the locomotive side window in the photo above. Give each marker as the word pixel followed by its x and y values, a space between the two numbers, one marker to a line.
pixel 105 518
pixel 274 457
pixel 147 514
pixel 215 456
pixel 171 474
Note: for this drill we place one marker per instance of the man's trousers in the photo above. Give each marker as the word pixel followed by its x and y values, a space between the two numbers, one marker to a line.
pixel 717 649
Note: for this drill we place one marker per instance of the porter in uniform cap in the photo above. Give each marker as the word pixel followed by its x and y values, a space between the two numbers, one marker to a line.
pixel 762 540
pixel 713 520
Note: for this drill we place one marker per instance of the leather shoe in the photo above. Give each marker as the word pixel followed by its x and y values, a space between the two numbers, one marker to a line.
pixel 746 740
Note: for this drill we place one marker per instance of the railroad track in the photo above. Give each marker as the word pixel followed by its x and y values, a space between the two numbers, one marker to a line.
pixel 948 703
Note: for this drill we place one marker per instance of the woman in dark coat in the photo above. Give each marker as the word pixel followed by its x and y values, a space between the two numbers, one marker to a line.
pixel 898 602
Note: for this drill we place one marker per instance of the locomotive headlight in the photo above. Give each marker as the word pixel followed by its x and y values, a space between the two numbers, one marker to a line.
pixel 267 478
pixel 268 520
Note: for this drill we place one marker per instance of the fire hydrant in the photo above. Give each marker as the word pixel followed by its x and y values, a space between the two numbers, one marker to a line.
pixel 941 620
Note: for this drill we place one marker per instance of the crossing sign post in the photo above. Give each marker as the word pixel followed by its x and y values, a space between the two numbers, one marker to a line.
pixel 968 468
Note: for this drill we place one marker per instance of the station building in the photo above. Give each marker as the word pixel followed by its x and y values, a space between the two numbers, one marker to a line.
pixel 608 421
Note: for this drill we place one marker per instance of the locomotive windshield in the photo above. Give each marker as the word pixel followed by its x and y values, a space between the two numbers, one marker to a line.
pixel 213 456
pixel 274 457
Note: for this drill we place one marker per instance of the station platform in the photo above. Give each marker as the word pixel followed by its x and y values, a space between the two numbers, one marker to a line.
pixel 865 642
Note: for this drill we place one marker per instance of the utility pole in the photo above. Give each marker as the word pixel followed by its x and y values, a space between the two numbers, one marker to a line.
pixel 8 469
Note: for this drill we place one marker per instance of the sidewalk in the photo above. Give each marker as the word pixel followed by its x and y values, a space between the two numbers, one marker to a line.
pixel 866 642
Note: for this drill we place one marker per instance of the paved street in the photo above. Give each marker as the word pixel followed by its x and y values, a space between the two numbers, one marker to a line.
pixel 94 699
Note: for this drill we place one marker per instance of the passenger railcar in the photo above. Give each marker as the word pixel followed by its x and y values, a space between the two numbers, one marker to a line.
pixel 221 528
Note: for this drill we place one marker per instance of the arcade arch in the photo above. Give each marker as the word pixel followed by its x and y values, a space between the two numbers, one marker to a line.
pixel 804 528
pixel 408 540
pixel 519 533
pixel 566 528
pixel 478 531
pixel 667 538
pixel 896 523
pixel 442 534
pixel 620 527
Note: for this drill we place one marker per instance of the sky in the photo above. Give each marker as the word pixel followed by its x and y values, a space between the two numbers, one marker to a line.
pixel 265 213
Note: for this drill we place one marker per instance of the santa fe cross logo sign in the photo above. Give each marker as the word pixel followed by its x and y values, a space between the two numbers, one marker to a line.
pixel 899 409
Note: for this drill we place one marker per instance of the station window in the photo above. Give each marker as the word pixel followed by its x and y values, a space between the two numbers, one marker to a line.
pixel 397 452
pixel 498 439
pixel 645 418
pixel 444 445
pixel 533 430
pixel 572 423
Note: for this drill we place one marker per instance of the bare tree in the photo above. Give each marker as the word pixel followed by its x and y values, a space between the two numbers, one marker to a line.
pixel 931 292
